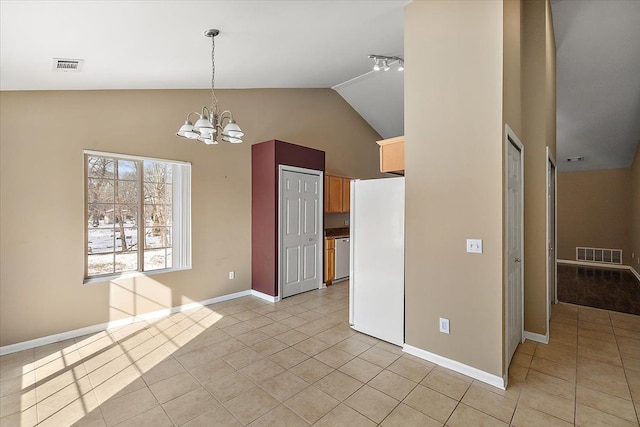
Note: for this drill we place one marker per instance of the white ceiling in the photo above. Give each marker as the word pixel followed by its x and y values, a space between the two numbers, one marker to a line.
pixel 297 44
pixel 160 44
pixel 378 96
pixel 598 82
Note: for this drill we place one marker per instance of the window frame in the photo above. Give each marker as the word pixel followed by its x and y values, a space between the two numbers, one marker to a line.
pixel 181 216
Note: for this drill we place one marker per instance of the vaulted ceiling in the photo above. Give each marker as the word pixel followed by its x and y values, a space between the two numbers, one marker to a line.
pixel 598 82
pixel 316 44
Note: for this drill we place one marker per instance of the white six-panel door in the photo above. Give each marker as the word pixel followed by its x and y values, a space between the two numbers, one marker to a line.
pixel 514 268
pixel 300 232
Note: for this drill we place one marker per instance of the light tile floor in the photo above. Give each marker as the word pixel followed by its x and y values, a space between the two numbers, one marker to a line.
pixel 297 362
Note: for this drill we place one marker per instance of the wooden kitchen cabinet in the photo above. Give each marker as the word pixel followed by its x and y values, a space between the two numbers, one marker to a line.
pixel 392 155
pixel 346 194
pixel 329 260
pixel 334 204
pixel 336 194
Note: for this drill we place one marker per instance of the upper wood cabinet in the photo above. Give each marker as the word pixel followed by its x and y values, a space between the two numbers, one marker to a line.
pixel 392 155
pixel 337 190
pixel 346 194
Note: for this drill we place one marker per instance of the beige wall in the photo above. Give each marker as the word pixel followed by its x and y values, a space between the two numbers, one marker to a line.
pixel 512 81
pixel 453 171
pixel 538 132
pixel 635 210
pixel 512 88
pixel 41 189
pixel 594 210
pixel 472 67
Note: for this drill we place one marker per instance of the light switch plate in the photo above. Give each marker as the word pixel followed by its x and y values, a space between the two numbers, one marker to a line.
pixel 232 275
pixel 474 246
pixel 444 325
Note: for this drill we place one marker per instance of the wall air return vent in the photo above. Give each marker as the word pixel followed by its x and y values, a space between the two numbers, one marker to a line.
pixel 67 65
pixel 605 256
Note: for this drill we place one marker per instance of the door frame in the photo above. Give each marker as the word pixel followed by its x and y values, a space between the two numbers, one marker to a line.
pixel 551 162
pixel 510 137
pixel 320 216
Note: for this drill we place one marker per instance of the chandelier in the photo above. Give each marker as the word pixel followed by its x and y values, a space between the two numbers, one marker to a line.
pixel 209 125
pixel 382 62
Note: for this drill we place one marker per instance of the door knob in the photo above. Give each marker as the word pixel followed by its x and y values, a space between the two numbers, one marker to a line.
pixel 517 259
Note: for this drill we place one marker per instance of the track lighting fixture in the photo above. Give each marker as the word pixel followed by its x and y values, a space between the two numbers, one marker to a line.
pixel 383 62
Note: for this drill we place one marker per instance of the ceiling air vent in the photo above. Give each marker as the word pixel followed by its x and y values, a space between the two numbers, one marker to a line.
pixel 74 65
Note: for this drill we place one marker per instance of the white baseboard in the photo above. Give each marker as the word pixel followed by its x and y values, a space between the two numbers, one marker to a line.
pixel 593 264
pixel 50 339
pixel 543 339
pixel 467 370
pixel 264 296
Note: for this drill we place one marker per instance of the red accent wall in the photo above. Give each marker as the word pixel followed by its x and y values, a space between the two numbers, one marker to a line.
pixel 265 159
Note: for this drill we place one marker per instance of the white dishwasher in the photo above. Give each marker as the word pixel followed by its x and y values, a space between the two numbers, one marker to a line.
pixel 342 258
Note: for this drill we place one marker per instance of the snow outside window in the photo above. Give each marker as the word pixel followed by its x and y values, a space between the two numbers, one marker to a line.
pixel 138 215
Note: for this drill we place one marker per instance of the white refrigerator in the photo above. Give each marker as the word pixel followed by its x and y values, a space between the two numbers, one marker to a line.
pixel 376 283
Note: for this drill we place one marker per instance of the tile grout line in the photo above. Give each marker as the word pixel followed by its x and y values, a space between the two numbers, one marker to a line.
pixel 399 401
pixel 458 403
pixel 624 369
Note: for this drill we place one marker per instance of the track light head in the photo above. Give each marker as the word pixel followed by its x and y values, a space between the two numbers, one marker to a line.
pixel 385 62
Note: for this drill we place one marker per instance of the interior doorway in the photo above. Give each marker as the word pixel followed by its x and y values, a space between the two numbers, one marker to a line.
pixel 300 228
pixel 514 237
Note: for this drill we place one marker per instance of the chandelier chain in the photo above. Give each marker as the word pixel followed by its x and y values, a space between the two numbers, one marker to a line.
pixel 214 101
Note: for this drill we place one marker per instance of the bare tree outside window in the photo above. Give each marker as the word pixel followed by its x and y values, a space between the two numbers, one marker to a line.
pixel 129 215
pixel 157 215
pixel 112 237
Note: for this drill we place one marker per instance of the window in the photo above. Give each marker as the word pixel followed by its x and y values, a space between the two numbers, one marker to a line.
pixel 137 214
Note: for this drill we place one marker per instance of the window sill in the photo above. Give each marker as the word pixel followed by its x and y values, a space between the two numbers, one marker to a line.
pixel 131 274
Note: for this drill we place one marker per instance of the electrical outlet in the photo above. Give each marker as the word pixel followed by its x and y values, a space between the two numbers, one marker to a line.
pixel 346 222
pixel 474 246
pixel 232 275
pixel 444 325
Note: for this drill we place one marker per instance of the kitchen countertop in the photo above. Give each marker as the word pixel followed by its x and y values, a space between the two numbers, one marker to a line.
pixel 336 232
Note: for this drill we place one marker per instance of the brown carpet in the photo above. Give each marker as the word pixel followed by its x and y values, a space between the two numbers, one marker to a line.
pixel 609 289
